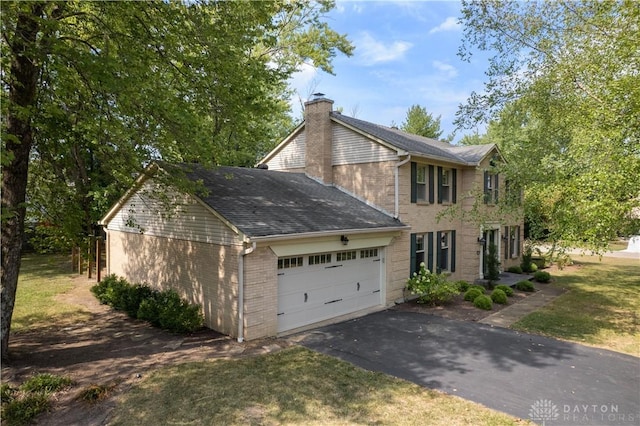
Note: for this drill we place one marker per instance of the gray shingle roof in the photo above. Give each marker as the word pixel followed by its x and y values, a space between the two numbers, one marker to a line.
pixel 414 144
pixel 264 203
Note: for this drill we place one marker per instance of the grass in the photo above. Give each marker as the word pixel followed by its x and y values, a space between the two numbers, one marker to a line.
pixel 601 308
pixel 21 405
pixel 41 279
pixel 293 386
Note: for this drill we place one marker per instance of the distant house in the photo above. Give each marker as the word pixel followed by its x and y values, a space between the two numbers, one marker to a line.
pixel 346 211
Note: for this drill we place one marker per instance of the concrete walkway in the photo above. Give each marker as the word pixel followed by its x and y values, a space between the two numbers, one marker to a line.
pixel 507 316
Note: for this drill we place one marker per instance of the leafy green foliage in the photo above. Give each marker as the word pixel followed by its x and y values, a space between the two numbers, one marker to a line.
pixel 499 296
pixel 422 123
pixel 527 262
pixel 562 84
pixel 471 294
pixel 525 285
pixel 515 269
pixel 20 406
pixel 462 286
pixel 431 288
pixel 542 276
pixel 483 302
pixel 493 264
pixel 506 289
pixel 481 288
pixel 164 309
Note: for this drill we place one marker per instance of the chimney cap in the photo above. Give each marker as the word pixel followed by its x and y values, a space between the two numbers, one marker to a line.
pixel 318 95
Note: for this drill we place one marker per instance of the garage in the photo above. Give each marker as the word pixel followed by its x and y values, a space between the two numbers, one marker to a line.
pixel 315 287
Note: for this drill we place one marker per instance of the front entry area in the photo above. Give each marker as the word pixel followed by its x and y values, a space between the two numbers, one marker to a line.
pixel 319 286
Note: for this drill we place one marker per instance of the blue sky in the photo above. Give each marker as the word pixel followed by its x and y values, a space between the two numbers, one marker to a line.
pixel 405 54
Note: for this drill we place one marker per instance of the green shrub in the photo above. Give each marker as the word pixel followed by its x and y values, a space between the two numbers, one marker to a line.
pixel 168 311
pixel 507 290
pixel 162 309
pixel 483 302
pixel 462 286
pixel 525 285
pixel 526 263
pixel 7 393
pixel 533 267
pixel 46 383
pixel 471 294
pixel 23 410
pixel 493 264
pixel 479 287
pixel 515 269
pixel 431 288
pixel 499 296
pixel 100 289
pixel 542 276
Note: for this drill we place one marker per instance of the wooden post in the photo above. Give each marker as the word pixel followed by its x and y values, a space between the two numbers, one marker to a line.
pixel 98 257
pixel 89 259
pixel 80 264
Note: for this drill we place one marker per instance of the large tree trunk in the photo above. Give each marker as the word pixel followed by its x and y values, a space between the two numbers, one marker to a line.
pixel 24 73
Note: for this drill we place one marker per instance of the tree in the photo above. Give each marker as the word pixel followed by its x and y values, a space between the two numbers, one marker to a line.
pixel 420 122
pixel 93 91
pixel 564 96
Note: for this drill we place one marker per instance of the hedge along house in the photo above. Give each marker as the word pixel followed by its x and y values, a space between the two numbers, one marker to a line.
pixel 346 212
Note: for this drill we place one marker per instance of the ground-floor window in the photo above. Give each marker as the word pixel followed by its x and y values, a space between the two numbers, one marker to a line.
pixel 445 252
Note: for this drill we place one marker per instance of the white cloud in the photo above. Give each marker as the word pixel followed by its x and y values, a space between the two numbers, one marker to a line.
pixel 372 51
pixel 448 70
pixel 449 24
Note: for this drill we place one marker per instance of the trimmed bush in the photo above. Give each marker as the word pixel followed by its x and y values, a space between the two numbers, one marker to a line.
pixel 507 290
pixel 542 276
pixel 533 267
pixel 499 296
pixel 168 311
pixel 525 285
pixel 515 269
pixel 483 302
pixel 471 294
pixel 162 309
pixel 462 286
pixel 479 287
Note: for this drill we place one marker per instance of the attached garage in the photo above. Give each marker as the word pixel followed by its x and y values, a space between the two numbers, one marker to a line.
pixel 262 252
pixel 319 286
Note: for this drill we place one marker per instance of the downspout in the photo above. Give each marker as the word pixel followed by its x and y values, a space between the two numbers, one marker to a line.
pixel 397 185
pixel 243 253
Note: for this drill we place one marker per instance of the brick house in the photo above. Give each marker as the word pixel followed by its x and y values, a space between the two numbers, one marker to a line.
pixel 330 225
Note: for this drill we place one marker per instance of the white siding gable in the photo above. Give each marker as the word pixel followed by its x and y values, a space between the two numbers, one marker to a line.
pixel 350 147
pixel 291 156
pixel 186 219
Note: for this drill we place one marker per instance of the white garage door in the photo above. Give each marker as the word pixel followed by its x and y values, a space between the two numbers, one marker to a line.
pixel 317 287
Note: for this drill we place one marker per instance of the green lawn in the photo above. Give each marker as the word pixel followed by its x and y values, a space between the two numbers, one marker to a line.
pixel 294 386
pixel 41 278
pixel 601 308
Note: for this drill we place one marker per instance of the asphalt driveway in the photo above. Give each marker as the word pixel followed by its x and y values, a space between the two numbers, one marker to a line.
pixel 528 376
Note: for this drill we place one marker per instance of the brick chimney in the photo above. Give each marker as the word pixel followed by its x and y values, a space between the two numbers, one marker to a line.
pixel 318 137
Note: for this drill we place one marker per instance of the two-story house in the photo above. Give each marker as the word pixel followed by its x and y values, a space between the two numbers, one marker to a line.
pixel 330 225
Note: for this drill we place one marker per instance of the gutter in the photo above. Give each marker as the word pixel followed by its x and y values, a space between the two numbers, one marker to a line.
pixel 243 253
pixel 397 185
pixel 314 234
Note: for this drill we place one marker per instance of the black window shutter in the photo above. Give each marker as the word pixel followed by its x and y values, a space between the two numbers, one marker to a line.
pixel 438 250
pixel 413 266
pixel 506 242
pixel 495 186
pixel 454 185
pixel 452 249
pixel 414 182
pixel 430 251
pixel 487 195
pixel 439 185
pixel 430 184
pixel 518 240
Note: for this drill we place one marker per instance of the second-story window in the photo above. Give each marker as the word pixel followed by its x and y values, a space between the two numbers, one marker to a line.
pixel 491 181
pixel 421 183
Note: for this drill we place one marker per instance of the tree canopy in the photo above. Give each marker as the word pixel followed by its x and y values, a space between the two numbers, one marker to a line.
pixel 94 91
pixel 563 94
pixel 420 122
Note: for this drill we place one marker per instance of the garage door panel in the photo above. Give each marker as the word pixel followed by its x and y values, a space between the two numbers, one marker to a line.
pixel 313 293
